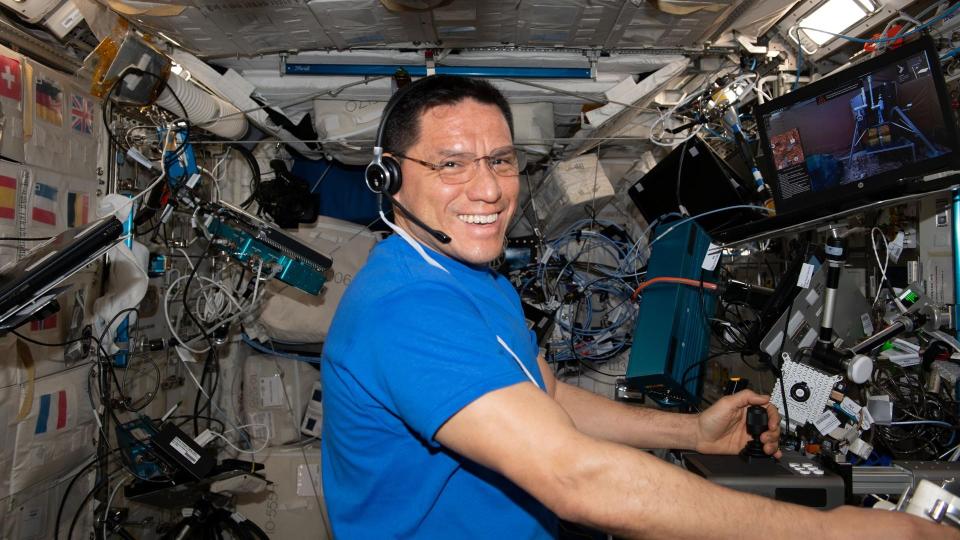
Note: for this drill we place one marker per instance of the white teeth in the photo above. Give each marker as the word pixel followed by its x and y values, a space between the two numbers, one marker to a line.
pixel 478 219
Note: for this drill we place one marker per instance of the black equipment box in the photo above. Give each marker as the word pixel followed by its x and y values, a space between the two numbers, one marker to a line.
pixel 794 478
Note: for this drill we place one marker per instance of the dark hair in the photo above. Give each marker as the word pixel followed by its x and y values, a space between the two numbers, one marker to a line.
pixel 403 126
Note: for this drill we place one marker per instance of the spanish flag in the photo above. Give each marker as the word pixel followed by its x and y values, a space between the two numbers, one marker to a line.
pixel 8 197
pixel 49 102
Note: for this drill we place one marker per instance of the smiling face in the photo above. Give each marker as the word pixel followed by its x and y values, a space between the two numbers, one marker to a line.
pixel 474 214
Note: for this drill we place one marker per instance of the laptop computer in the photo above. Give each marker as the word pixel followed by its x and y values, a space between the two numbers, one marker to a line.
pixel 29 284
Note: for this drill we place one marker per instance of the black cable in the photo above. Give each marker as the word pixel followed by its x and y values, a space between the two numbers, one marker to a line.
pixel 585 364
pixel 83 503
pixel 46 344
pixel 255 529
pixel 683 153
pixel 211 356
pixel 779 370
pixel 25 238
pixel 63 500
pixel 198 409
pixel 108 106
pixel 189 417
pixel 254 168
pixel 684 376
pixel 196 400
pixel 225 519
pixel 108 358
pixel 186 293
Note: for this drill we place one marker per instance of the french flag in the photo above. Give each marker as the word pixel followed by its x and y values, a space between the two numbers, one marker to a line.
pixel 45 204
pixel 52 415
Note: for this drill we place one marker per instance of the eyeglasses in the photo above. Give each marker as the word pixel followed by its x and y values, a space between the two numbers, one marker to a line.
pixel 462 168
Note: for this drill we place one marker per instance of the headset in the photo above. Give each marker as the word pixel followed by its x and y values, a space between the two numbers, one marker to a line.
pixel 383 176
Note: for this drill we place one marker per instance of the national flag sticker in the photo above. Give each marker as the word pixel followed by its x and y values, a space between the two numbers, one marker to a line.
pixel 50 323
pixel 78 209
pixel 52 413
pixel 49 101
pixel 44 204
pixel 81 114
pixel 11 83
pixel 8 197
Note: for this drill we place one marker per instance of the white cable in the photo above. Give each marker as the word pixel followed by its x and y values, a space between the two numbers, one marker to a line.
pixel 795 36
pixel 163 174
pixel 170 325
pixel 187 257
pixel 213 403
pixel 953 449
pixel 922 422
pixel 227 294
pixel 256 283
pixel 106 511
pixel 263 447
pixel 886 256
pixel 413 243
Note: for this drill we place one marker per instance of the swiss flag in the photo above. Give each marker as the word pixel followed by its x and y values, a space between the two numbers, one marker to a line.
pixel 10 82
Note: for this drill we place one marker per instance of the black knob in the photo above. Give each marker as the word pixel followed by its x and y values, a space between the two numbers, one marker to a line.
pixel 756 424
pixel 756 421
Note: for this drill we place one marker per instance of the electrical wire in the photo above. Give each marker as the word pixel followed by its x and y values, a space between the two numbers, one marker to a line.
pixel 253 344
pixel 938 423
pixel 263 447
pixel 879 40
pixel 106 511
pixel 886 260
pixel 678 280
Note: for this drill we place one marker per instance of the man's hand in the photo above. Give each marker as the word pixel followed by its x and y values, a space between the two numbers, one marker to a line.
pixel 722 428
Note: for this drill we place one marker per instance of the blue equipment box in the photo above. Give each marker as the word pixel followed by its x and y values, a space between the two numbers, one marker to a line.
pixel 252 241
pixel 672 332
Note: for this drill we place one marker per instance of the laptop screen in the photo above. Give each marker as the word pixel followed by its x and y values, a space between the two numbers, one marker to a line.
pixel 52 262
pixel 864 130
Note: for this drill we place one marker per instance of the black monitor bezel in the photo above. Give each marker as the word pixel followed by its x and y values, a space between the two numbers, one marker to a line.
pixel 890 183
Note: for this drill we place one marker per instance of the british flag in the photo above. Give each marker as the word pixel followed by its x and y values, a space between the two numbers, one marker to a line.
pixel 81 114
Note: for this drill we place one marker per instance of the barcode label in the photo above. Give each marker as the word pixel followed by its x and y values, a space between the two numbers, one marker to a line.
pixel 806 274
pixel 185 450
pixel 826 423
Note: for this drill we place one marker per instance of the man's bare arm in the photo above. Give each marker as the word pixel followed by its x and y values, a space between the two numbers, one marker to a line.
pixel 640 427
pixel 525 435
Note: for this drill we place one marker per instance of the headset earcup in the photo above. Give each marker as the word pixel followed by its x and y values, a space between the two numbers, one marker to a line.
pixel 376 177
pixel 394 177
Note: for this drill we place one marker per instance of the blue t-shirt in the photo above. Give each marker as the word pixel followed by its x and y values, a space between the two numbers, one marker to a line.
pixel 409 347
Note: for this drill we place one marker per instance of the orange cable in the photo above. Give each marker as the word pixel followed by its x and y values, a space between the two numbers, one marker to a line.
pixel 677 280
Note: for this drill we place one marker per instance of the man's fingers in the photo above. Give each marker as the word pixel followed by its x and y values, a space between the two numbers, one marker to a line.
pixel 773 416
pixel 749 397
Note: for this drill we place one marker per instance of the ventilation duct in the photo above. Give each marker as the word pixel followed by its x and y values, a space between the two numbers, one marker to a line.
pixel 203 110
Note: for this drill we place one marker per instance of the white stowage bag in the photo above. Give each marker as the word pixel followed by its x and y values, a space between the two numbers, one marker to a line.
pixel 290 314
pixel 293 505
pixel 275 394
pixel 55 433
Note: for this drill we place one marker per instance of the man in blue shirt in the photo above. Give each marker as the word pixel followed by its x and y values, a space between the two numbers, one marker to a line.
pixel 440 420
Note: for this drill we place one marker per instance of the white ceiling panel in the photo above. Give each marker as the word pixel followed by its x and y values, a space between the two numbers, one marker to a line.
pixel 249 27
